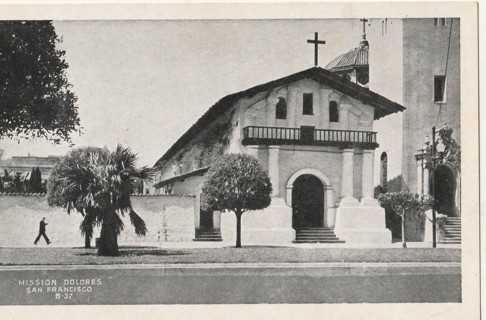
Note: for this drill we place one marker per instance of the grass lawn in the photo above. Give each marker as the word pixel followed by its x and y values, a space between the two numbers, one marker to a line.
pixel 135 255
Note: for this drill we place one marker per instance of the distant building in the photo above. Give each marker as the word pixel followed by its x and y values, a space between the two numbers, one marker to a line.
pixel 24 164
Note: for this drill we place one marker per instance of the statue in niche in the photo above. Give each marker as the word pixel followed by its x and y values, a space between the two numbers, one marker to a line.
pixel 452 150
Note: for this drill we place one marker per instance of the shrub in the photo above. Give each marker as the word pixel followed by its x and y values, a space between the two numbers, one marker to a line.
pixel 238 183
pixel 405 204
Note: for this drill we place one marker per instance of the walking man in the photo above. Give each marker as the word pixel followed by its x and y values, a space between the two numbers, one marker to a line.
pixel 42 231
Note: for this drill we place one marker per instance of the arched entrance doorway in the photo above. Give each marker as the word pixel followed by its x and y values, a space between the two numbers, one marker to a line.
pixel 307 202
pixel 445 190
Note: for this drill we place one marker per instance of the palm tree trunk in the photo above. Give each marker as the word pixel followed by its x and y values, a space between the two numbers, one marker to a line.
pixel 238 229
pixel 108 236
pixel 87 241
pixel 404 242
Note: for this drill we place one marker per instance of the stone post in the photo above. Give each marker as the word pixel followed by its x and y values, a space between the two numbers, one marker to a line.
pixel 367 179
pixel 217 220
pixel 273 169
pixel 347 179
pixel 426 181
pixel 420 182
pixel 252 151
pixel 197 211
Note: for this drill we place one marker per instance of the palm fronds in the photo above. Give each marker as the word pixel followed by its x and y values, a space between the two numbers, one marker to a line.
pixel 95 181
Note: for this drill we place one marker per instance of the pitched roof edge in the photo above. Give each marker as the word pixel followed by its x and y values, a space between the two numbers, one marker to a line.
pixel 384 105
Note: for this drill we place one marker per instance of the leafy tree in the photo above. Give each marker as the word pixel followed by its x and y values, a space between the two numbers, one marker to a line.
pixel 98 183
pixel 29 183
pixel 5 181
pixel 34 184
pixel 16 184
pixel 238 183
pixel 39 188
pixel 405 203
pixel 35 96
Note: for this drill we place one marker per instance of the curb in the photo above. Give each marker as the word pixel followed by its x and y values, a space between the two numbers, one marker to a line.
pixel 270 269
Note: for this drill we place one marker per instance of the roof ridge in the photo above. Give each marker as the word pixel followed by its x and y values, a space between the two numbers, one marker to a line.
pixel 382 105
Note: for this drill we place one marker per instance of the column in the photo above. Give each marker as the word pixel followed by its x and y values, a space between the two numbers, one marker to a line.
pixel 252 151
pixel 273 169
pixel 270 107
pixel 347 179
pixel 197 211
pixel 419 178
pixel 291 106
pixel 344 116
pixel 324 107
pixel 426 181
pixel 217 220
pixel 367 179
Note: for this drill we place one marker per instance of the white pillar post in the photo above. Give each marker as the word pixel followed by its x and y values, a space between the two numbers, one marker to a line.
pixel 252 151
pixel 217 220
pixel 426 181
pixel 273 169
pixel 419 178
pixel 367 179
pixel 347 179
pixel 197 211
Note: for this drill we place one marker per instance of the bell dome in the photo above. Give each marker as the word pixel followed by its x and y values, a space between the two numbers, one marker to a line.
pixel 355 58
pixel 353 64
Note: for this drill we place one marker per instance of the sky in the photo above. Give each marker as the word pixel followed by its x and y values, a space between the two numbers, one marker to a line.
pixel 144 83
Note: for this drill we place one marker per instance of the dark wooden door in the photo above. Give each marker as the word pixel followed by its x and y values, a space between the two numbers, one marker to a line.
pixel 445 190
pixel 206 220
pixel 307 203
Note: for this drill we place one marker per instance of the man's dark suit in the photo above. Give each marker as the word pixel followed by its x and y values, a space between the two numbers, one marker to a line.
pixel 42 232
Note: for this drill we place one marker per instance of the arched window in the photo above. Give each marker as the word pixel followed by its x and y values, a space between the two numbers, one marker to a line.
pixel 383 168
pixel 281 109
pixel 333 112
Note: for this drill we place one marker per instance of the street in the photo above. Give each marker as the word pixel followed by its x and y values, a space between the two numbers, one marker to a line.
pixel 231 283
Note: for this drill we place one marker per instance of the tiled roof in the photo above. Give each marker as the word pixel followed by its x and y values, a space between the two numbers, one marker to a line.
pixel 358 57
pixel 382 105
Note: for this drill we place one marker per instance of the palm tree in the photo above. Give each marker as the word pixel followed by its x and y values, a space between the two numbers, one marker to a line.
pixel 98 183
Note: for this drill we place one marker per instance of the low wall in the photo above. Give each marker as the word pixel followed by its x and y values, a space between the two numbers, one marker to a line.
pixel 168 218
pixel 270 226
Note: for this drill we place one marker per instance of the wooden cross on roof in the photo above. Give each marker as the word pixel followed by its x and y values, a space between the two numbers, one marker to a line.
pixel 316 43
pixel 364 24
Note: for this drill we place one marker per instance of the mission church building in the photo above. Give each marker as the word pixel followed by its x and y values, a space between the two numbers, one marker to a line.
pixel 313 132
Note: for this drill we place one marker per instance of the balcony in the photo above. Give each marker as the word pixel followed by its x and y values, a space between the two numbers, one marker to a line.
pixel 309 136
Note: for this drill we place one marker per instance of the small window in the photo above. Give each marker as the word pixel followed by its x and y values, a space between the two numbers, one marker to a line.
pixel 281 109
pixel 439 88
pixel 333 112
pixel 307 104
pixel 440 22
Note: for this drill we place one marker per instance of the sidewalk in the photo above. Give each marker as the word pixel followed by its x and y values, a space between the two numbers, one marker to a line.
pixel 273 269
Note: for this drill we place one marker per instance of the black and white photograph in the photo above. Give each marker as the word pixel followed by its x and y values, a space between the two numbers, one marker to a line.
pixel 236 157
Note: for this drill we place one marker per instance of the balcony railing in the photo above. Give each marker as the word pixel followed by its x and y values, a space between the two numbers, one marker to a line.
pixel 308 136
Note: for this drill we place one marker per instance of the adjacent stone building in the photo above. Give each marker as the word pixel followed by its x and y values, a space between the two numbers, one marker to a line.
pixel 416 62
